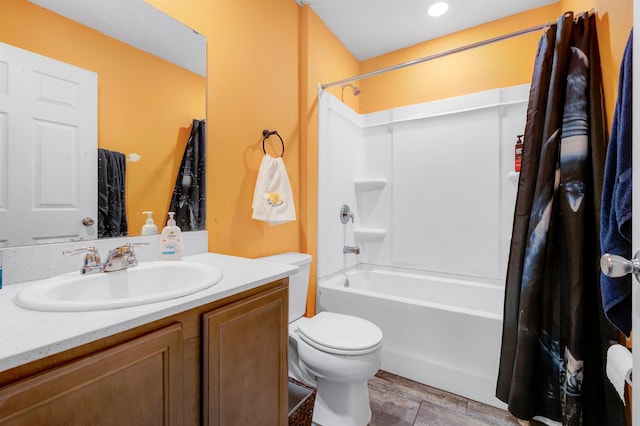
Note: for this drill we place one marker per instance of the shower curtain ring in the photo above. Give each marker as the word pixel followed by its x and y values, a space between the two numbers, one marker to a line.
pixel 265 136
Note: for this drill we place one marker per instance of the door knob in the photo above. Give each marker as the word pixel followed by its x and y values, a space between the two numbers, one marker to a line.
pixel 617 266
pixel 87 221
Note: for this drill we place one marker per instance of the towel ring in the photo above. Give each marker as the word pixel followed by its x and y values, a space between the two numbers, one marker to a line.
pixel 265 136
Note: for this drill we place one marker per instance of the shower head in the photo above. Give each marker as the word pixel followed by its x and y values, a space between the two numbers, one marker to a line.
pixel 356 89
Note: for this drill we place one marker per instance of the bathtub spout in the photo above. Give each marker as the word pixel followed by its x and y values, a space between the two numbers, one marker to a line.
pixel 350 249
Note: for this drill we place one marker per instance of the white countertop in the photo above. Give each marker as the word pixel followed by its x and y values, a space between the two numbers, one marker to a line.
pixel 27 335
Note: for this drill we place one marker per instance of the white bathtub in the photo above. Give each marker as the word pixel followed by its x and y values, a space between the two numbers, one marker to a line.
pixel 441 331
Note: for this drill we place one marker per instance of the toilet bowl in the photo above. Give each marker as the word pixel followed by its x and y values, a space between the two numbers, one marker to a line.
pixel 335 353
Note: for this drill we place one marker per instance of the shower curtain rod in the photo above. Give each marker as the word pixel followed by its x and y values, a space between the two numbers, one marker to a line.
pixel 435 56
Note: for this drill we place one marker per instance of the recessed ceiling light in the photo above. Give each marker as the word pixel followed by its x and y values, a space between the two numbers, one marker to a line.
pixel 438 9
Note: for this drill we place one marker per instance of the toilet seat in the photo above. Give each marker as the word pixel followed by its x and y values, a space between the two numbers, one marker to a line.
pixel 340 334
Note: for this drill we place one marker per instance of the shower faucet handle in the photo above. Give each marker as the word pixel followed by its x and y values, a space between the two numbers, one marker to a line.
pixel 346 214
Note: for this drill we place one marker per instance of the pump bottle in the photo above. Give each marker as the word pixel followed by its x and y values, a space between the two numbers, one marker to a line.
pixel 149 228
pixel 171 245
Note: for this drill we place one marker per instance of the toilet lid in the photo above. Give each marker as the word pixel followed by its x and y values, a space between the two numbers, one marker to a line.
pixel 340 334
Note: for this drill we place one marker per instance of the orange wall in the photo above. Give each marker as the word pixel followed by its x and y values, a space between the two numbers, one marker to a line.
pixel 155 126
pixel 264 65
pixel 614 22
pixel 500 64
pixel 253 84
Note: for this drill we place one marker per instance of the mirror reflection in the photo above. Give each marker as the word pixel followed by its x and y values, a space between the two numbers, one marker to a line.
pixel 145 109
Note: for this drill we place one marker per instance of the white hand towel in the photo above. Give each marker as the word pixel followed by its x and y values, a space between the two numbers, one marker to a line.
pixel 619 364
pixel 272 197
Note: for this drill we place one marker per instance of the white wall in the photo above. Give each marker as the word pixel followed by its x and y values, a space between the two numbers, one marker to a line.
pixel 447 205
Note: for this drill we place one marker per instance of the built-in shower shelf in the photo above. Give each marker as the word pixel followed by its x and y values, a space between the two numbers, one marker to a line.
pixel 369 184
pixel 514 177
pixel 369 233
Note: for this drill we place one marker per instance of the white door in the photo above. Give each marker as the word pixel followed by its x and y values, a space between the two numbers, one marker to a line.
pixel 48 149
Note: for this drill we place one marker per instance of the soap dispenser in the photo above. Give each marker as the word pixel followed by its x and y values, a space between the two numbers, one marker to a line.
pixel 171 240
pixel 149 228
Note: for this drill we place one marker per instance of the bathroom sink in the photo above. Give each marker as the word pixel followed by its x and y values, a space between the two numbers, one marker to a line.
pixel 146 283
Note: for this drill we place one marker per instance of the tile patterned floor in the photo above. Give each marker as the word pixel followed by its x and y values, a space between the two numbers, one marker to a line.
pixel 396 401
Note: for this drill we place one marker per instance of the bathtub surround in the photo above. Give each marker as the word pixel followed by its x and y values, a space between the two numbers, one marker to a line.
pixel 431 189
pixel 555 335
pixel 405 174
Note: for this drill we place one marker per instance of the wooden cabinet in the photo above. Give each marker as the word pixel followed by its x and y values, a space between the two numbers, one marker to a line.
pixel 245 364
pixel 134 383
pixel 223 363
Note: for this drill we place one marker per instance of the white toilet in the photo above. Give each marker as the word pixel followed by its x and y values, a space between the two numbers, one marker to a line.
pixel 337 354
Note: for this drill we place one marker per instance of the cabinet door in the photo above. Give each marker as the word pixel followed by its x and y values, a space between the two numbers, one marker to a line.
pixel 245 362
pixel 135 383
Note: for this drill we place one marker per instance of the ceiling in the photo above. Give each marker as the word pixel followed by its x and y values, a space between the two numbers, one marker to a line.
pixel 370 28
pixel 139 24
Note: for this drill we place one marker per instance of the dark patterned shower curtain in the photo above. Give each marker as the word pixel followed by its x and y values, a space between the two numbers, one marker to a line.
pixel 112 200
pixel 555 335
pixel 188 199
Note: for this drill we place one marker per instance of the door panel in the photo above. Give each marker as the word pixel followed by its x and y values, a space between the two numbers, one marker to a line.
pixel 49 127
pixel 244 372
pixel 139 382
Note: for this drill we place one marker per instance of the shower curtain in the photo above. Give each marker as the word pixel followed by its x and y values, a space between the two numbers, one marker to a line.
pixel 188 200
pixel 555 335
pixel 112 206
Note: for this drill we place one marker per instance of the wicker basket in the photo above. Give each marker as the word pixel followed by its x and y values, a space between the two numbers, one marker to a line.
pixel 301 400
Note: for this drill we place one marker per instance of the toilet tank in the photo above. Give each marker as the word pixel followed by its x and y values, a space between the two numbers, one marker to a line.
pixel 298 283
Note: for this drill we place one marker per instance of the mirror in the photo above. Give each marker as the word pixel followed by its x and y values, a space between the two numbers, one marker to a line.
pixel 151 85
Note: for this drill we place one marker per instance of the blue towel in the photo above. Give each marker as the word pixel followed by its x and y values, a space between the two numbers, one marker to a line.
pixel 615 219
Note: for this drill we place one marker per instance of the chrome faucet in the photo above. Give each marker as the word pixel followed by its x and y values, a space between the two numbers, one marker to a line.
pixel 91 263
pixel 119 258
pixel 351 249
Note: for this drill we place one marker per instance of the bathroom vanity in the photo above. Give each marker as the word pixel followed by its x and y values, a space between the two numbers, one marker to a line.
pixel 216 357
